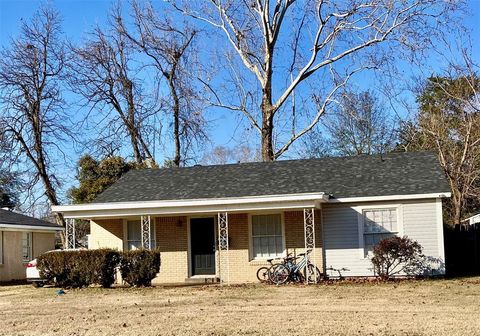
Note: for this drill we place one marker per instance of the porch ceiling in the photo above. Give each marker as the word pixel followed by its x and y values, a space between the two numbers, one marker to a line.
pixel 198 206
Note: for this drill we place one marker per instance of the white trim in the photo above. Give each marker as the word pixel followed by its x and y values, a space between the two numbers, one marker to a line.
pixel 29 228
pixel 439 215
pixel 359 209
pixel 190 210
pixel 212 206
pixel 191 202
pixel 388 198
pixel 250 235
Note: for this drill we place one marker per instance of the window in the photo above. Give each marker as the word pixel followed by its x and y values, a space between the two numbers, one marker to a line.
pixel 134 234
pixel 1 247
pixel 378 224
pixel 267 238
pixel 26 246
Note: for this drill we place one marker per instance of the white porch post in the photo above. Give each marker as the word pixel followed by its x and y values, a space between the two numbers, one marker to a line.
pixel 146 232
pixel 309 231
pixel 223 247
pixel 70 233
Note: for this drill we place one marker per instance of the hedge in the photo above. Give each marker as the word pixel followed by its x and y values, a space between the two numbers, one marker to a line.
pixel 139 267
pixel 81 268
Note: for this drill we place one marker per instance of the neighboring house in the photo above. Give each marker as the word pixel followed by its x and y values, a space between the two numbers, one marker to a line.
pixel 472 220
pixel 22 238
pixel 225 221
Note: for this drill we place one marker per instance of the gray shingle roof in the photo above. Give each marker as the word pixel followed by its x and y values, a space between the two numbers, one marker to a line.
pixel 13 218
pixel 359 176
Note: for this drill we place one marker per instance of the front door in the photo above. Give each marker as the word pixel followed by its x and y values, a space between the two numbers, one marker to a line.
pixel 202 242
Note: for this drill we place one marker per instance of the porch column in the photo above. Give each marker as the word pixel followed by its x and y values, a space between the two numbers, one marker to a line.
pixel 70 233
pixel 309 231
pixel 146 232
pixel 224 265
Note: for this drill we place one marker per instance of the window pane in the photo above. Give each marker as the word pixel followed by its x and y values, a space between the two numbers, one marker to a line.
pixel 267 236
pixel 134 230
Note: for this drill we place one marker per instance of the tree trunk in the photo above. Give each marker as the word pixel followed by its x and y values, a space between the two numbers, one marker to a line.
pixel 176 119
pixel 267 139
pixel 457 201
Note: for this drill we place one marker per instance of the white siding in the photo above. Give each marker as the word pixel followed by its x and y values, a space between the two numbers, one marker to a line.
pixel 421 222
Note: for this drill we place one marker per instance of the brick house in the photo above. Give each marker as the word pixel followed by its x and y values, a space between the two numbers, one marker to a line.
pixel 223 222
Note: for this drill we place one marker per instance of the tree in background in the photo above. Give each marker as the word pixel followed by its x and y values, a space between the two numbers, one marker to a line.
pixel 103 71
pixel 223 155
pixel 275 48
pixel 169 45
pixel 448 123
pixel 95 176
pixel 9 189
pixel 359 125
pixel 33 123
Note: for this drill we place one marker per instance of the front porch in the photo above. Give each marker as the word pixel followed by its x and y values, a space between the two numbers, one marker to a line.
pixel 228 246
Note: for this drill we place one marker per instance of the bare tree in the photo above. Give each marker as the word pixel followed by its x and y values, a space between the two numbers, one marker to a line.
pixel 33 122
pixel 449 124
pixel 220 155
pixel 283 44
pixel 103 71
pixel 170 48
pixel 359 125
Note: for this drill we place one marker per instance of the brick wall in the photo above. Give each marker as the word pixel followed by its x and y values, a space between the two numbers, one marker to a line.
pixel 172 241
pixel 106 233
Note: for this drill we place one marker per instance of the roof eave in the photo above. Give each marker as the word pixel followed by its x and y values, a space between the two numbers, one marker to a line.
pixel 175 207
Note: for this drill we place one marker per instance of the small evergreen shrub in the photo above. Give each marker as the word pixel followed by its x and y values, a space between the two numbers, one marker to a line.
pixel 139 267
pixel 81 268
pixel 397 256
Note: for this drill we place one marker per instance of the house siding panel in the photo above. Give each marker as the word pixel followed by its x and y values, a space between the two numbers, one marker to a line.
pixel 342 245
pixel 13 267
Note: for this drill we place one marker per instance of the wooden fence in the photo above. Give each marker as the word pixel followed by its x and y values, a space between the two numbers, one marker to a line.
pixel 462 250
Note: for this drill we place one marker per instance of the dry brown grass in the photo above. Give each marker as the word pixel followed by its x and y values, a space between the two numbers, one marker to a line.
pixel 441 307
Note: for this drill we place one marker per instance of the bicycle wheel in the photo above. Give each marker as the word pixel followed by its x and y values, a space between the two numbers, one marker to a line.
pixel 280 274
pixel 263 274
pixel 314 275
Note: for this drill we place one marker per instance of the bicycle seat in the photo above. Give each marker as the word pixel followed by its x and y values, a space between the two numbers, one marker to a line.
pixel 270 260
pixel 301 254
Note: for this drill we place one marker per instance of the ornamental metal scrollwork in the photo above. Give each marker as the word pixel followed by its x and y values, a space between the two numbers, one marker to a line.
pixel 146 232
pixel 223 247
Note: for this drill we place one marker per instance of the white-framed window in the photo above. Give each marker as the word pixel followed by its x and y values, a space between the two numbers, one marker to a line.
pixel 378 224
pixel 267 236
pixel 1 247
pixel 134 234
pixel 27 247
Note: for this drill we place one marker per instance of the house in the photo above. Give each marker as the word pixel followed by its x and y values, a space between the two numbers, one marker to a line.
pixel 472 219
pixel 22 238
pixel 224 221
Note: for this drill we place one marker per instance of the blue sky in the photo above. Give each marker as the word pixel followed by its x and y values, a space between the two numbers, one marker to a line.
pixel 80 16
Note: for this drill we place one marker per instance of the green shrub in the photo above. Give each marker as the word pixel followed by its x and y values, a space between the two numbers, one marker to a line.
pixel 397 256
pixel 139 267
pixel 79 268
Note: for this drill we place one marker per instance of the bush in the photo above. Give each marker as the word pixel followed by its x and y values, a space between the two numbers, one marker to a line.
pixel 79 268
pixel 397 256
pixel 139 267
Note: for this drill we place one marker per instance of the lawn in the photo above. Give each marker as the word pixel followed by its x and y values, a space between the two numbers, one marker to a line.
pixel 440 307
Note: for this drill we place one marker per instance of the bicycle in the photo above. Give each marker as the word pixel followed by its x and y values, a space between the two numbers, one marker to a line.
pixel 264 273
pixel 301 271
pixel 338 270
